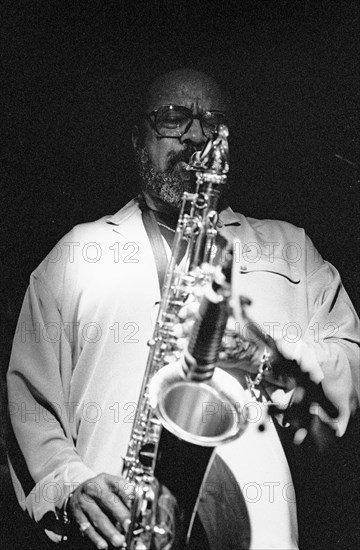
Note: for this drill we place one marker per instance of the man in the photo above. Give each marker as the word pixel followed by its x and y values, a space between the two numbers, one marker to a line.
pixel 80 348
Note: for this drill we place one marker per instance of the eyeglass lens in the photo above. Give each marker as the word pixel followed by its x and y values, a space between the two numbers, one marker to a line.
pixel 174 121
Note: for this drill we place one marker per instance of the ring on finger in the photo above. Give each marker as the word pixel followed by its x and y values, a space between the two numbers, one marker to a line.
pixel 83 527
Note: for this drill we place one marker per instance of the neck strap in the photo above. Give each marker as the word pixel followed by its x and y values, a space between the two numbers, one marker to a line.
pixel 156 241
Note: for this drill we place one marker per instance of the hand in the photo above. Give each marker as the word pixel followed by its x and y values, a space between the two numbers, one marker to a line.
pixel 99 508
pixel 310 413
pixel 187 316
pixel 188 313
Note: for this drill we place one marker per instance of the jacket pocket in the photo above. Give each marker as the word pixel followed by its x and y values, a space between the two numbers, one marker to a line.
pixel 276 266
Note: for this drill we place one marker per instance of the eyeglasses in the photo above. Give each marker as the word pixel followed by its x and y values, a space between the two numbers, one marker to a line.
pixel 173 121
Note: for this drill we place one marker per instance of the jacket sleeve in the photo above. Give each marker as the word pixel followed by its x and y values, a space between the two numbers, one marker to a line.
pixel 44 463
pixel 329 347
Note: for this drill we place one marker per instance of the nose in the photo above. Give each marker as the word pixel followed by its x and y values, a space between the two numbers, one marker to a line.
pixel 194 134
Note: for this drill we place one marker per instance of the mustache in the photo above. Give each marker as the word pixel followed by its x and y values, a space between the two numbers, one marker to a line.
pixel 181 156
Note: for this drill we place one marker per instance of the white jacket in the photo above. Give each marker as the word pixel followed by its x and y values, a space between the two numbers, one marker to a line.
pixel 80 351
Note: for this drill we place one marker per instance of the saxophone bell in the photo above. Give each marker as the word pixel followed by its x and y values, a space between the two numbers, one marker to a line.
pixel 206 414
pixel 194 399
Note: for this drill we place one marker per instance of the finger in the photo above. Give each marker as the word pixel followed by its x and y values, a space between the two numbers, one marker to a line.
pixel 110 493
pixel 316 410
pixel 87 530
pixel 300 436
pixel 208 269
pixel 182 343
pixel 101 530
pixel 178 330
pixel 324 403
pixel 102 502
pixel 298 394
pixel 323 434
pixel 298 416
pixel 116 500
pixel 105 529
pixel 94 537
pixel 189 310
pixel 188 326
pixel 181 330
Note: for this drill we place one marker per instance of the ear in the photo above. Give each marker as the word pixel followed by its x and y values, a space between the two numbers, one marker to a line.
pixel 135 136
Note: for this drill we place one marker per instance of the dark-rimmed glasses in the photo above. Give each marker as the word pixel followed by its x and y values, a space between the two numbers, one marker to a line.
pixel 173 121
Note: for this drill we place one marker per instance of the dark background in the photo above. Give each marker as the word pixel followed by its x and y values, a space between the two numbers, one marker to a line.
pixel 74 68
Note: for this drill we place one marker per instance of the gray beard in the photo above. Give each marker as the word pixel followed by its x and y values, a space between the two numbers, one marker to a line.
pixel 165 185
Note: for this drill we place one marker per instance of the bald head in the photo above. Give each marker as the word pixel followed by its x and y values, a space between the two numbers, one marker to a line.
pixel 186 87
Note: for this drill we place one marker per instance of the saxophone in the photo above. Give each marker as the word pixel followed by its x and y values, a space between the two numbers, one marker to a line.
pixel 171 444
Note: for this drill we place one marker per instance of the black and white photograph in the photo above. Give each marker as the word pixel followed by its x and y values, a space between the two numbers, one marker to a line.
pixel 180 365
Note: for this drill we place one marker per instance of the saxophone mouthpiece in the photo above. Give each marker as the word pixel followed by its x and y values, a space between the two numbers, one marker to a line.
pixel 199 158
pixel 214 156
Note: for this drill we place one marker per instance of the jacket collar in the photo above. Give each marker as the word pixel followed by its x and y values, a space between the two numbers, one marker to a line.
pixel 227 217
pixel 123 214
